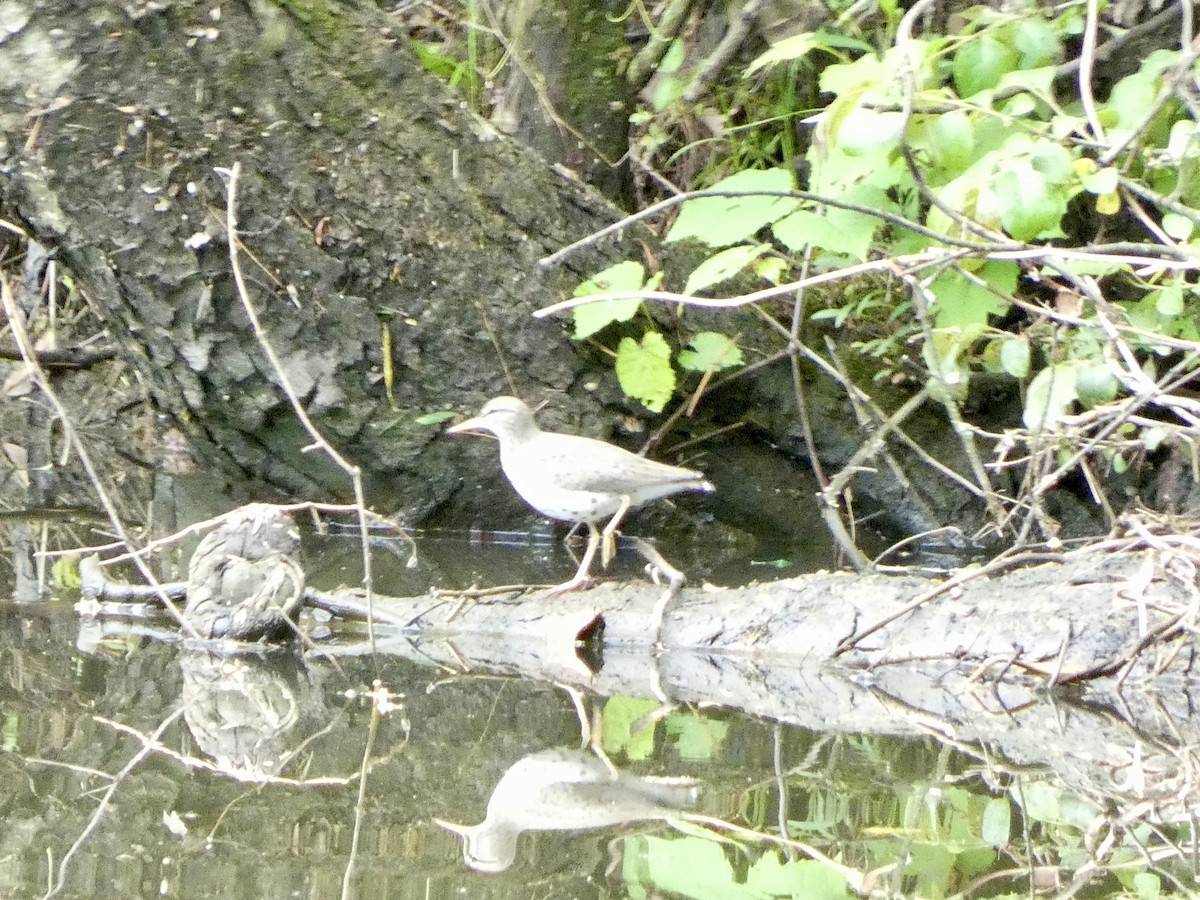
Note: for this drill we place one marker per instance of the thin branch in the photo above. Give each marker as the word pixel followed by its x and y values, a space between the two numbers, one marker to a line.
pixel 17 322
pixel 1087 61
pixel 106 800
pixel 354 472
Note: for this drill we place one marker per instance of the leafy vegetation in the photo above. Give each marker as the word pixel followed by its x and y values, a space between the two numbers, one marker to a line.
pixel 876 816
pixel 1012 198
pixel 985 211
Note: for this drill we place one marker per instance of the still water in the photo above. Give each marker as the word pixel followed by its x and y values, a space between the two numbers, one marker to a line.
pixel 133 764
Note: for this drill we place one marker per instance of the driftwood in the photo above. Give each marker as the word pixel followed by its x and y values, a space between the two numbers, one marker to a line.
pixel 972 659
pixel 1068 621
pixel 1081 666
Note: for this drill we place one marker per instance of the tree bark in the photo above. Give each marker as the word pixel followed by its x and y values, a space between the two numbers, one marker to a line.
pixel 371 202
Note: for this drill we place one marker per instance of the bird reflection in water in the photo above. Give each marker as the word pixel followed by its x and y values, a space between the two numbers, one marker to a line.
pixel 566 790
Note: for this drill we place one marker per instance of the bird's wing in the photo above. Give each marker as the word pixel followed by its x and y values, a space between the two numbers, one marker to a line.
pixel 597 466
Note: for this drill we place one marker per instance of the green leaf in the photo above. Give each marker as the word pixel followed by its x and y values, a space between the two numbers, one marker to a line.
pixel 962 301
pixel 842 231
pixel 1108 204
pixel 434 418
pixel 697 737
pixel 722 265
pixel 1036 81
pixel 432 60
pixel 721 221
pixel 1102 181
pixel 997 822
pixel 1152 438
pixel 980 63
pixel 950 375
pixel 1050 396
pixel 1118 463
pixel 669 85
pixel 1170 299
pixel 1148 886
pixel 863 130
pixel 64 571
pixel 807 878
pixel 617 736
pixel 866 72
pixel 771 269
pixel 711 351
pixel 644 370
pixel 1096 384
pixel 1029 205
pixel 1178 227
pixel 1014 356
pixel 1038 42
pixel 1136 93
pixel 1051 159
pixel 591 317
pixel 788 49
pixel 951 143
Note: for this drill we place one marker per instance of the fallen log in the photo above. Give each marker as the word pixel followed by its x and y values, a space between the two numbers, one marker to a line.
pixel 1080 617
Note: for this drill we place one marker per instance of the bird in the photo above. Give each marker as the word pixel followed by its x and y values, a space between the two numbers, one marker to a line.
pixel 566 790
pixel 576 479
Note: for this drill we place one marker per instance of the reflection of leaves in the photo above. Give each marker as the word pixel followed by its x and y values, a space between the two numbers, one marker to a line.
pixel 696 866
pixel 696 737
pixel 65 572
pixel 687 867
pixel 799 878
pixel 617 734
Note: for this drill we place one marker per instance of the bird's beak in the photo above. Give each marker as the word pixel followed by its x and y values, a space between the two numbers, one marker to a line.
pixel 470 426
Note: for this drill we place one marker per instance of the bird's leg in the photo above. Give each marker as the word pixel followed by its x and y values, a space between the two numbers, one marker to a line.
pixel 610 532
pixel 570 534
pixel 581 576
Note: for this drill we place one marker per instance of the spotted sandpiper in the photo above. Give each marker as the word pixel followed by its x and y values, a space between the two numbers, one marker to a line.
pixel 576 479
pixel 566 790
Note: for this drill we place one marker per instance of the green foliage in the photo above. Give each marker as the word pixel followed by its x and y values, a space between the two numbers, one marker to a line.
pixel 624 730
pixel 697 737
pixel 623 277
pixel 644 370
pixel 722 266
pixel 696 866
pixel 435 418
pixel 722 221
pixel 711 351
pixel 955 157
pixel 64 572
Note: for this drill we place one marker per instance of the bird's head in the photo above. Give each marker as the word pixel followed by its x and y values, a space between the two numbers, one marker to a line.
pixel 502 416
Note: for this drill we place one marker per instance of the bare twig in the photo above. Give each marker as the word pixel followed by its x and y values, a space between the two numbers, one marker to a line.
pixel 106 800
pixel 354 472
pixel 17 323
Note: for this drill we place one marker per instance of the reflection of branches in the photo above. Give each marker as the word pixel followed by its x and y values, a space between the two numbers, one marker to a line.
pixel 150 744
pixel 147 747
pixel 382 703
